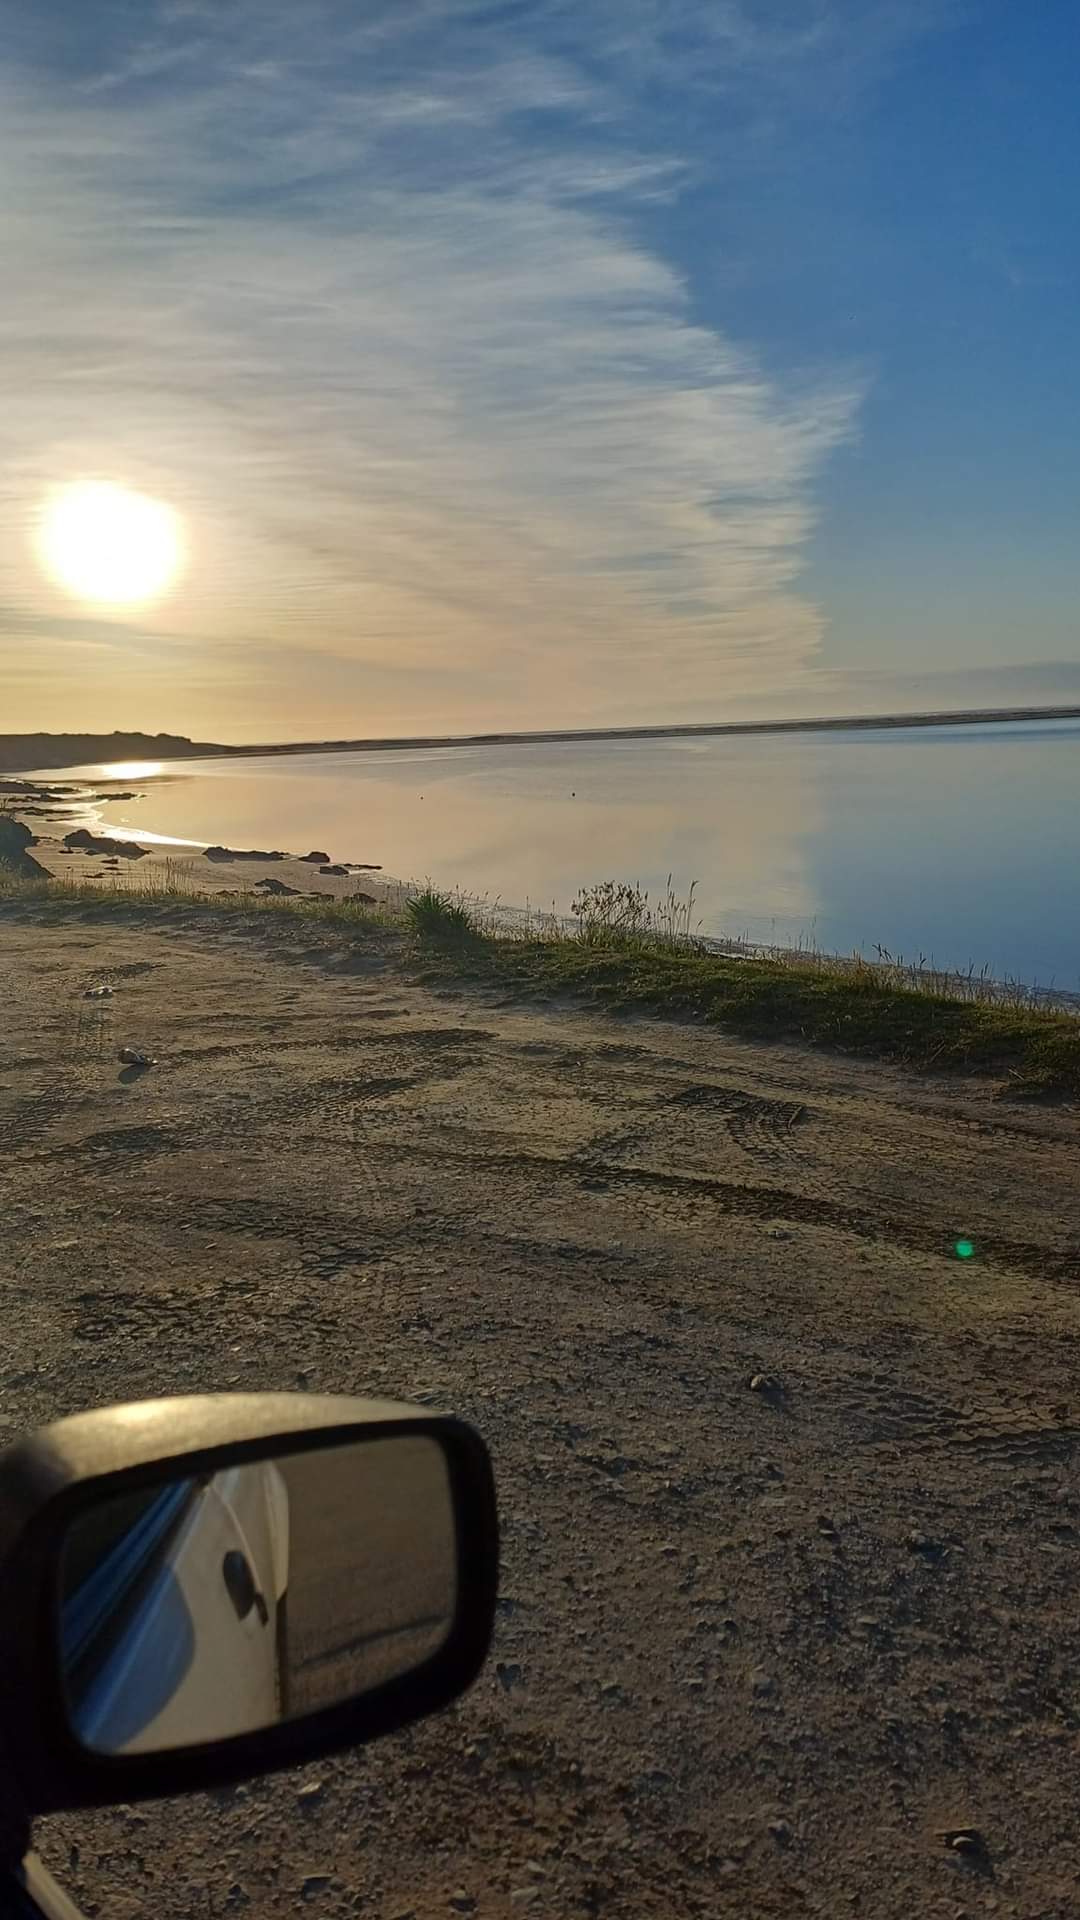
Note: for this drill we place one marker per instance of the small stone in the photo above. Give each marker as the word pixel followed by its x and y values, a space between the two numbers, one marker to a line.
pixel 780 1233
pixel 963 1840
pixel 103 843
pixel 781 1832
pixel 764 1686
pixel 314 1883
pixel 240 853
pixel 921 1543
pixel 523 1896
pixel 461 1901
pixel 312 1791
pixel 509 1674
pixel 764 1383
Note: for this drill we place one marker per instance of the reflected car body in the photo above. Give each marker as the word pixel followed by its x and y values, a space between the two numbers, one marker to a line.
pixel 172 1631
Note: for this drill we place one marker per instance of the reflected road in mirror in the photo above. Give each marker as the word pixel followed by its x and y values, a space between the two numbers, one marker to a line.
pixel 203 1607
pixel 373 1567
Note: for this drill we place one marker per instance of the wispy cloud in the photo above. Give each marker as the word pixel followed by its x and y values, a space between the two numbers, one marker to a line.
pixel 368 300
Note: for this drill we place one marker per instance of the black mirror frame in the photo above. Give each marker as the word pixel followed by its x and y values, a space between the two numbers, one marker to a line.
pixel 47 1477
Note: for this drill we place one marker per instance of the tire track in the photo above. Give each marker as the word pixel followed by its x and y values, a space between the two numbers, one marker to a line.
pixel 85 1038
pixel 898 1417
pixel 1060 1264
pixel 764 1128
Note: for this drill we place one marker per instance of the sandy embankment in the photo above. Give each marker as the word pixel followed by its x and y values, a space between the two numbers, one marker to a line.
pixel 759 1652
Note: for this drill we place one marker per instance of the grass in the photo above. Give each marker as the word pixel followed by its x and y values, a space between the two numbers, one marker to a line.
pixel 624 953
pixel 441 918
pixel 169 888
pixel 614 912
pixel 849 1010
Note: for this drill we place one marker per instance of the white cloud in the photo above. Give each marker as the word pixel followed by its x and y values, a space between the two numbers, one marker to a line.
pixel 374 312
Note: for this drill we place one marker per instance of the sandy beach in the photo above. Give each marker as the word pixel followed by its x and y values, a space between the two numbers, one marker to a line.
pixel 69 844
pixel 760 1650
pixel 188 868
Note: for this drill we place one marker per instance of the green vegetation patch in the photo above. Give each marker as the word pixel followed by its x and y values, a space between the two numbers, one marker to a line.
pixel 652 964
pixel 439 918
pixel 848 1008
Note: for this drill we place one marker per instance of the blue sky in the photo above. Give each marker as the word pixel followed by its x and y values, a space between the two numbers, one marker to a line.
pixel 544 363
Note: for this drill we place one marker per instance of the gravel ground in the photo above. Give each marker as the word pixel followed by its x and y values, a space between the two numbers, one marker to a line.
pixel 759 1651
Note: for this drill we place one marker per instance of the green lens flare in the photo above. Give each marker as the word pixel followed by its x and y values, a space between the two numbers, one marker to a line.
pixel 964 1249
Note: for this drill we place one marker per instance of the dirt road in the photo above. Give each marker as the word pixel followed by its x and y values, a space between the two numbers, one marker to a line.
pixel 759 1652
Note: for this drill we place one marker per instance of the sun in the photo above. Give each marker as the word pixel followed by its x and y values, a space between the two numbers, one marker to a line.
pixel 102 542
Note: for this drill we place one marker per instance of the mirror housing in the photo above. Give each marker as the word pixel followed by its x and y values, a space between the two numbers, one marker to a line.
pixel 52 1476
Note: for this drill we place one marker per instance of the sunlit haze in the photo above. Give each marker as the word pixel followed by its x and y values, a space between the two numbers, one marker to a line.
pixel 444 367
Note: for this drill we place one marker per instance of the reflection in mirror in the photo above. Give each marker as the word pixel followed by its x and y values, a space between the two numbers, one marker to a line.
pixel 204 1607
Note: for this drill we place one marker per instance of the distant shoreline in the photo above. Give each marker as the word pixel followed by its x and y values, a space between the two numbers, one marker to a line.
pixel 40 752
pixel 709 729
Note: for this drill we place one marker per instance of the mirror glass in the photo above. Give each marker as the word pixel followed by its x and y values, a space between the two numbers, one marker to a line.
pixel 221 1603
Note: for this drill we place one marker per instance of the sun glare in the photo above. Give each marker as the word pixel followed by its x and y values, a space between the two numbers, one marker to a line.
pixel 133 769
pixel 102 542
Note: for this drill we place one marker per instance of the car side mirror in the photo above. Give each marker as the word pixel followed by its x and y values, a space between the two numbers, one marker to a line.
pixel 193 1591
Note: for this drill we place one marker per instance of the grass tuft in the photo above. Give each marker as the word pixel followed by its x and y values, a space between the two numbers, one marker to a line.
pixel 614 913
pixel 440 918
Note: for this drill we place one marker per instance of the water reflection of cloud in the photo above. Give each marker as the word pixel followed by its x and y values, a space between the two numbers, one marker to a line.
pixel 538 824
pixel 958 854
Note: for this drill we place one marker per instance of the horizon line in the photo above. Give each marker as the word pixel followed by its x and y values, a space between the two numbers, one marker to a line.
pixel 969 716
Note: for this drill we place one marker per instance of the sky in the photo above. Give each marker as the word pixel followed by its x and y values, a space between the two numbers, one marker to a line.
pixel 544 363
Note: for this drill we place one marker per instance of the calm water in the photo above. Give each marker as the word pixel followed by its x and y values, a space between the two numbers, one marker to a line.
pixel 957 845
